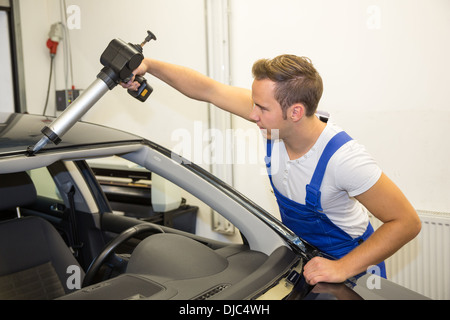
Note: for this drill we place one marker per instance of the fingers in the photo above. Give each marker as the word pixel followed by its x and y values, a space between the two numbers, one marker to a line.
pixel 314 276
pixel 134 85
pixel 309 272
pixel 131 85
pixel 322 270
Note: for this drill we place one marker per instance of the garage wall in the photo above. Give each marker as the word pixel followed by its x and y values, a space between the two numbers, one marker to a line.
pixel 384 65
pixel 385 68
pixel 180 28
pixel 6 79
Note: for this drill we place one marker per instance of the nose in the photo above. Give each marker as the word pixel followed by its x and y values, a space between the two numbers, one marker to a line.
pixel 254 114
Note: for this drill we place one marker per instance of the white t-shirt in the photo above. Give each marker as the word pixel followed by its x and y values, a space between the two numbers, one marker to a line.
pixel 350 172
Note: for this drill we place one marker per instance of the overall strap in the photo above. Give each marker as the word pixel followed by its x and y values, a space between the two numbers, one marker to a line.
pixel 268 158
pixel 313 188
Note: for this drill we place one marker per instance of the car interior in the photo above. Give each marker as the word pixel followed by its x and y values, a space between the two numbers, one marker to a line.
pixel 34 255
pixel 58 216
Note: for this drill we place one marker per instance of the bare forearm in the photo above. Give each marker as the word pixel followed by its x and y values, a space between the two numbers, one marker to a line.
pixel 383 243
pixel 400 225
pixel 197 86
pixel 189 82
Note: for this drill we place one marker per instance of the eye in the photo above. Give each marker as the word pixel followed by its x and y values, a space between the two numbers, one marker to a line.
pixel 260 107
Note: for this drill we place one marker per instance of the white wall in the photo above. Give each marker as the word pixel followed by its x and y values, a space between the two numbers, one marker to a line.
pixel 179 27
pixel 180 30
pixel 385 66
pixel 6 80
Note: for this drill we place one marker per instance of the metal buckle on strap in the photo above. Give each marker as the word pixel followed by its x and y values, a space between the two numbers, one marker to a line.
pixel 313 198
pixel 267 161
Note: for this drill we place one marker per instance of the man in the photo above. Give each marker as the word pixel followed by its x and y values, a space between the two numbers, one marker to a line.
pixel 325 182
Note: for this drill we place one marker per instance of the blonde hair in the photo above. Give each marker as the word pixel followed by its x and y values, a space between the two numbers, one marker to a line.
pixel 296 79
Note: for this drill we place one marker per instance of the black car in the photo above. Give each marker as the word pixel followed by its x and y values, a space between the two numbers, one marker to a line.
pixel 62 238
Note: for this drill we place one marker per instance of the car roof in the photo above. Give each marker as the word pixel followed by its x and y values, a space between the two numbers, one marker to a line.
pixel 19 131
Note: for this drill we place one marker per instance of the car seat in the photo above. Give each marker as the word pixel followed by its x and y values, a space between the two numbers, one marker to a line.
pixel 35 262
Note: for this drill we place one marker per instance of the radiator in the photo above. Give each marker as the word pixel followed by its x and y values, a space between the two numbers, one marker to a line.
pixel 423 265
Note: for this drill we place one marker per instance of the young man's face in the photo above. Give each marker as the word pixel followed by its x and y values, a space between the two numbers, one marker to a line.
pixel 267 111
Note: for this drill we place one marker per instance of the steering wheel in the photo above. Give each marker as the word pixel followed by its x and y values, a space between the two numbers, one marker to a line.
pixel 110 247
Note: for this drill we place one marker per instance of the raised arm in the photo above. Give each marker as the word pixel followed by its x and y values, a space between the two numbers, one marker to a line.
pixel 198 86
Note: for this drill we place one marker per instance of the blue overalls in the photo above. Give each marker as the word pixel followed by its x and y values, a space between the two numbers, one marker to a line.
pixel 308 220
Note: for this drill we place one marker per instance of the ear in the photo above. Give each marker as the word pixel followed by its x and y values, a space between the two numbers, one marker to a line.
pixel 297 111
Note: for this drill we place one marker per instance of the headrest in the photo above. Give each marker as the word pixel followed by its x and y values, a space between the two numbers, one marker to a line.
pixel 16 190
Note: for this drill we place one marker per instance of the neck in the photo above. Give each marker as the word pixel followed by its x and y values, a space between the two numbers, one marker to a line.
pixel 303 137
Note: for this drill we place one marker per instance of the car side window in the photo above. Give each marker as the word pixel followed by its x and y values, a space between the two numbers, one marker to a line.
pixel 135 192
pixel 44 184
